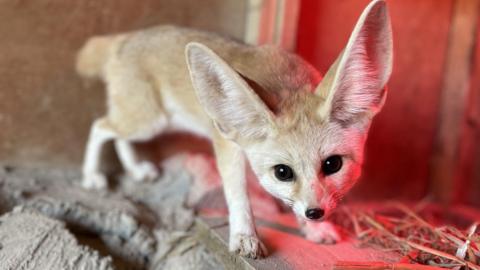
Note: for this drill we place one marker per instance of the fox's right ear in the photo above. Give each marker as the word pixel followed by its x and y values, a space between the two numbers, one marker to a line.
pixel 237 111
pixel 353 89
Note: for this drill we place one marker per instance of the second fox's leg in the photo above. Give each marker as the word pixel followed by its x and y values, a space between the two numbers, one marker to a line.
pixel 231 164
pixel 139 170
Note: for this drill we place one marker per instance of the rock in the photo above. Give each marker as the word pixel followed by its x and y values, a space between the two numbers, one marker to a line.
pixel 31 240
pixel 119 222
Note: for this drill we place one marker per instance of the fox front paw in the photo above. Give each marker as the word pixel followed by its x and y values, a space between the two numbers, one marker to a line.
pixel 247 246
pixel 144 171
pixel 94 181
pixel 321 232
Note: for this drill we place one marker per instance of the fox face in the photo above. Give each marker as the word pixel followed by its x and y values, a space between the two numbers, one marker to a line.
pixel 308 164
pixel 310 152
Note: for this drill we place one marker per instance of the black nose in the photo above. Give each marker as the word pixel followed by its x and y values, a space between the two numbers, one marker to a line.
pixel 314 213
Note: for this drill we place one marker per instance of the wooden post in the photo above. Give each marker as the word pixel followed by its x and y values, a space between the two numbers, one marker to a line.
pixel 468 173
pixel 272 22
pixel 446 154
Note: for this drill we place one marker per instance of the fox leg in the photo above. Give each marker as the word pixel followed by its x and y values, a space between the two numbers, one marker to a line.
pixel 136 112
pixel 100 133
pixel 231 165
pixel 323 232
pixel 139 170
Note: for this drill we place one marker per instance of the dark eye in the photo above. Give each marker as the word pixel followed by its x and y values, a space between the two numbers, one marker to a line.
pixel 283 173
pixel 332 165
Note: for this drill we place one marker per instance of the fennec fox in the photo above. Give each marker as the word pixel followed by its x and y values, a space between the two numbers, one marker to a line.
pixel 302 136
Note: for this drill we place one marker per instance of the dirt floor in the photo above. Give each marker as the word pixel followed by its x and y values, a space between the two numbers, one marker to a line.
pixel 49 222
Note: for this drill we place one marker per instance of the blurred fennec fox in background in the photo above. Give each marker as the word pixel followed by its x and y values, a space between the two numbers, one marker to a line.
pixel 302 136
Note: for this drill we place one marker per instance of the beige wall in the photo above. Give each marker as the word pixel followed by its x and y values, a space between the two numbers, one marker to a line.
pixel 45 108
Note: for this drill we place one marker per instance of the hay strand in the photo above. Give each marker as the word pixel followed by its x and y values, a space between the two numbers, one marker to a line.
pixel 404 230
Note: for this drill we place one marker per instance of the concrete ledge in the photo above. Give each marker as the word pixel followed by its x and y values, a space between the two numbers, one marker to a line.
pixel 214 234
pixel 287 249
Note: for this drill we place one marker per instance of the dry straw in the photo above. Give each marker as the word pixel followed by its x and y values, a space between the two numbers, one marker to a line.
pixel 410 232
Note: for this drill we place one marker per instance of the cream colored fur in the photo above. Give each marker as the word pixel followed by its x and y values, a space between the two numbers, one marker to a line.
pixel 259 105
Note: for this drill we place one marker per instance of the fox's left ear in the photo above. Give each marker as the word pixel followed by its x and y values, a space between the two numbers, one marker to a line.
pixel 354 87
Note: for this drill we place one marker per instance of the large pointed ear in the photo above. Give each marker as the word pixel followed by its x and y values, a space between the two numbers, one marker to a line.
pixel 237 111
pixel 354 87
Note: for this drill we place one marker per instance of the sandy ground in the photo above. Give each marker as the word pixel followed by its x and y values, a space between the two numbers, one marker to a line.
pixel 49 222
